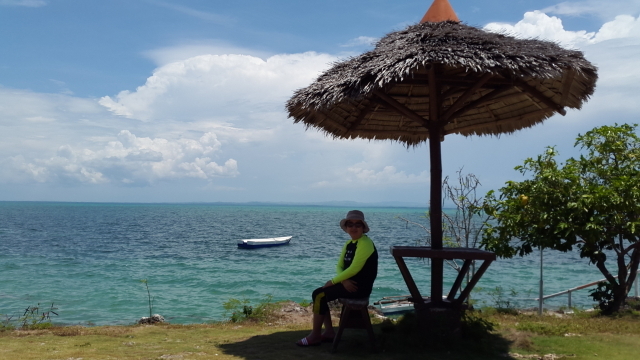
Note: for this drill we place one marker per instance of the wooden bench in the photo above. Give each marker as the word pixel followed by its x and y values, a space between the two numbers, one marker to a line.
pixel 466 254
pixel 354 315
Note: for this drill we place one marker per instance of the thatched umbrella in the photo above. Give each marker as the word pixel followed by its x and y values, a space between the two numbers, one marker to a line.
pixel 443 77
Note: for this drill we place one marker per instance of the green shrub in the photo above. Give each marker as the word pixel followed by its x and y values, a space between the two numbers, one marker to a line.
pixel 501 303
pixel 475 327
pixel 603 294
pixel 6 324
pixel 32 319
pixel 242 310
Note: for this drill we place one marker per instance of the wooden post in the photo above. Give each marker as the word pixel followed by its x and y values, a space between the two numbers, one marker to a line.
pixel 435 156
pixel 541 290
pixel 408 279
pixel 461 274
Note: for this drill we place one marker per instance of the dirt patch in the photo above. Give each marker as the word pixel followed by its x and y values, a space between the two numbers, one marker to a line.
pixel 519 339
pixel 541 357
pixel 290 312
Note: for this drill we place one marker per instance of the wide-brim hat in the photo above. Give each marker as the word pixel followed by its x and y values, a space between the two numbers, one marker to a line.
pixel 354 215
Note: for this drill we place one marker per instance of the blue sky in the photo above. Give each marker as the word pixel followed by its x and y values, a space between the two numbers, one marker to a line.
pixel 181 101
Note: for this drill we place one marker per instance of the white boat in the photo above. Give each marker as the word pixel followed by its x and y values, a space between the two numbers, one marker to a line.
pixel 398 305
pixel 258 243
pixel 396 308
pixel 395 305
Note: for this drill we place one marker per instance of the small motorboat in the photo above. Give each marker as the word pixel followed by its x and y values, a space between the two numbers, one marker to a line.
pixel 395 305
pixel 259 243
pixel 396 308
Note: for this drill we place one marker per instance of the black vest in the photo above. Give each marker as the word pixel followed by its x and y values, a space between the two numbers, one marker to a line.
pixel 367 275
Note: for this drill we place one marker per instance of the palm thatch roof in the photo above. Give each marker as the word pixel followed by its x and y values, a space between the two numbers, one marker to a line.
pixel 457 77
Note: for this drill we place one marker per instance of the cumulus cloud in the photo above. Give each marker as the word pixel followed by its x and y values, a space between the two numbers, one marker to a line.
pixel 223 86
pixel 196 112
pixel 27 3
pixel 130 160
pixel 537 24
pixel 624 26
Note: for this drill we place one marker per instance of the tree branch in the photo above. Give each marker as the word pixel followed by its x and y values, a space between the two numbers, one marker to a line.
pixel 415 223
pixel 603 269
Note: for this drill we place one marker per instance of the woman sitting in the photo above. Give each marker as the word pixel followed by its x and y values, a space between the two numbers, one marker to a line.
pixel 356 271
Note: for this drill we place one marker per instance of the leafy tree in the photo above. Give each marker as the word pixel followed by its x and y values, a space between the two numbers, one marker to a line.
pixel 591 203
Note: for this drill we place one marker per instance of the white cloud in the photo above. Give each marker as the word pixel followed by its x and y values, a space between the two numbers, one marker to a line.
pixel 196 111
pixel 130 159
pixel 624 26
pixel 537 24
pixel 27 3
pixel 222 86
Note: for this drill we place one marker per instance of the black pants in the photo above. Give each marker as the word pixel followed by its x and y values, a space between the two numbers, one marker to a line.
pixel 321 296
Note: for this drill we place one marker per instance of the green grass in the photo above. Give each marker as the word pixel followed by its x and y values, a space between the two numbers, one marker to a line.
pixel 591 337
pixel 597 346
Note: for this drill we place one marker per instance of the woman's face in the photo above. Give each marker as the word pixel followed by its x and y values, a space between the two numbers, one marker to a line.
pixel 355 229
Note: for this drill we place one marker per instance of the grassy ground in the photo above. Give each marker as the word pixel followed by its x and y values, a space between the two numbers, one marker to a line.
pixel 581 336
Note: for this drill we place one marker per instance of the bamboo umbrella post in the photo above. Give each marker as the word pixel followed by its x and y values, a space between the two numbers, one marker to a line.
pixel 435 155
pixel 435 215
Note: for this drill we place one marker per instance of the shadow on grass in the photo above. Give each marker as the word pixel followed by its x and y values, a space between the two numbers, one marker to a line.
pixel 401 340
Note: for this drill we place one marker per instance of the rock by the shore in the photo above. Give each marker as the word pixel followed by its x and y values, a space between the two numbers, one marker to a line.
pixel 156 318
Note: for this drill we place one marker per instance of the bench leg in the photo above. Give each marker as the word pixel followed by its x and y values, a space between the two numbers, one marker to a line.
pixel 343 320
pixel 369 327
pixel 346 321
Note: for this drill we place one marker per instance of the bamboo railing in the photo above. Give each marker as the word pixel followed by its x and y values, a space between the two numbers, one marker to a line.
pixel 569 291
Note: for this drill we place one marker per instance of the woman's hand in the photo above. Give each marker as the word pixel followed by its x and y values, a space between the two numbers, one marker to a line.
pixel 329 283
pixel 350 285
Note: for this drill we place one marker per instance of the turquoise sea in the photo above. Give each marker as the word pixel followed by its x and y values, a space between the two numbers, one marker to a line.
pixel 88 259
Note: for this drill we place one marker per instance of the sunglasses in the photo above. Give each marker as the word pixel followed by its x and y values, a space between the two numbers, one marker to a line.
pixel 352 224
